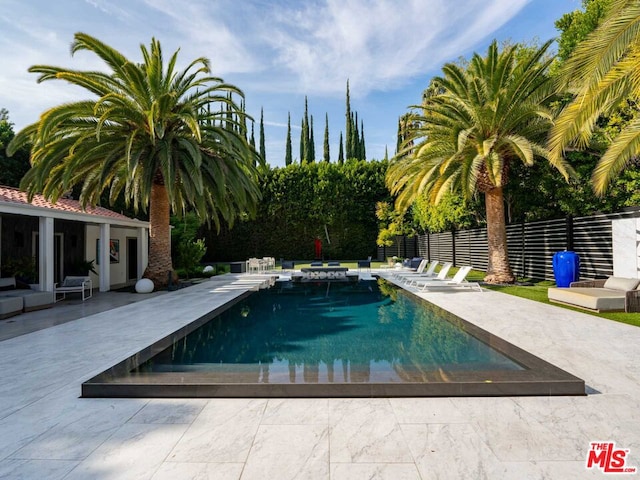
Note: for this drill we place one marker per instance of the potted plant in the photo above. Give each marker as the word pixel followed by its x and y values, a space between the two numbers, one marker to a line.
pixel 82 268
pixel 24 270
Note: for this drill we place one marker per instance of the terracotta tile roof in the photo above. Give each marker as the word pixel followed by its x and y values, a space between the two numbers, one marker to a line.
pixel 15 196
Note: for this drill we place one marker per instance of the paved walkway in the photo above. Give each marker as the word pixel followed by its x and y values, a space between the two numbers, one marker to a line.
pixel 50 433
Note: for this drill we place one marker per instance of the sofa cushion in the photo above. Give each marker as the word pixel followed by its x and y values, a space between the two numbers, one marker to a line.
pixel 621 283
pixel 33 300
pixel 7 282
pixel 598 299
pixel 10 306
pixel 73 281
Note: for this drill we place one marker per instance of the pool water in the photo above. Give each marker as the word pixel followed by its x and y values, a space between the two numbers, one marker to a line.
pixel 331 332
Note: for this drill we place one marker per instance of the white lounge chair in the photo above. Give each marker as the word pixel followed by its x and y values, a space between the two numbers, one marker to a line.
pixel 430 273
pixel 458 280
pixel 71 284
pixel 417 271
pixel 442 275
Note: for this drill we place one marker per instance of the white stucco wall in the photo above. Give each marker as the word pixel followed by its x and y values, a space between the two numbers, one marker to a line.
pixel 626 247
pixel 118 271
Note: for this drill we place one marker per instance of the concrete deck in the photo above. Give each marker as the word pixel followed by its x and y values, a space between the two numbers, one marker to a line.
pixel 48 432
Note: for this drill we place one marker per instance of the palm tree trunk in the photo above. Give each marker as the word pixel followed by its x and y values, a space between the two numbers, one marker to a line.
pixel 159 238
pixel 498 270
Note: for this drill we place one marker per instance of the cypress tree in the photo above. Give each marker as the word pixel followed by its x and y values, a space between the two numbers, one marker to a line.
pixel 355 137
pixel 302 141
pixel 326 138
pixel 229 114
pixel 399 136
pixel 252 141
pixel 305 132
pixel 263 150
pixel 348 146
pixel 288 159
pixel 386 154
pixel 340 151
pixel 312 143
pixel 244 122
pixel 363 150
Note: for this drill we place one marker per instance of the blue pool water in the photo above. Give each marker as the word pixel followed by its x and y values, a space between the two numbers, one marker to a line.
pixel 367 331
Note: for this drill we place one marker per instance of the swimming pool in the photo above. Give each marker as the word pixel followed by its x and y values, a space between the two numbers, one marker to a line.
pixel 366 338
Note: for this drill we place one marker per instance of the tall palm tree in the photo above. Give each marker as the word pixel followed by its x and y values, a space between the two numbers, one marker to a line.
pixel 603 71
pixel 468 131
pixel 154 133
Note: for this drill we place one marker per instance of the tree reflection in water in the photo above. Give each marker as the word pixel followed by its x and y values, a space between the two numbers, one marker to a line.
pixel 329 333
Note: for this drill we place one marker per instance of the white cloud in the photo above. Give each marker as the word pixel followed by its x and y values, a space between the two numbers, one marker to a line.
pixel 209 29
pixel 378 45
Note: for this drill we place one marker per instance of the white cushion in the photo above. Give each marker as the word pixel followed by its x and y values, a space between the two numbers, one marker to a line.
pixel 73 282
pixel 620 283
pixel 599 299
pixel 8 282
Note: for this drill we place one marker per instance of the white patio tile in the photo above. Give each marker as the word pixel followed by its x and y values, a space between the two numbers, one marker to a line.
pixel 133 452
pixel 296 411
pixel 426 410
pixel 223 432
pixel 542 471
pixel 452 451
pixel 365 430
pixel 170 411
pixel 199 471
pixel 374 471
pixel 35 469
pixel 289 452
pixel 513 435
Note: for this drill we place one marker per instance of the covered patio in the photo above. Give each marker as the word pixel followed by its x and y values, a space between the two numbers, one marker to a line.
pixel 56 238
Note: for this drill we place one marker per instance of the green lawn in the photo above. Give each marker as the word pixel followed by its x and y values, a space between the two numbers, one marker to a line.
pixel 538 293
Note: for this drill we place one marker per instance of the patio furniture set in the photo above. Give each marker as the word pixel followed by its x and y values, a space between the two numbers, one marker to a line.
pixel 15 300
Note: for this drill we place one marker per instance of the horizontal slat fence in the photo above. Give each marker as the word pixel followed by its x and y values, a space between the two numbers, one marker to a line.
pixel 531 245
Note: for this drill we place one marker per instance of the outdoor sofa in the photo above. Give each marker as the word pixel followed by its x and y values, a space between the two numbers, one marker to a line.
pixel 611 294
pixel 31 299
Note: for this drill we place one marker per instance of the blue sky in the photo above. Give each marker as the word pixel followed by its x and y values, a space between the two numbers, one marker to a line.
pixel 275 51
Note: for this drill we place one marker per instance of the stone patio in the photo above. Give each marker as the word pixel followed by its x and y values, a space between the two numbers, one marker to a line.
pixel 50 433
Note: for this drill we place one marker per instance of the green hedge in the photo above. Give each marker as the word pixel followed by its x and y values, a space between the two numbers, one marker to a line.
pixel 299 201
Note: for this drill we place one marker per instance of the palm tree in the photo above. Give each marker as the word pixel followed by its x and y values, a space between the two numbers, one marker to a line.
pixel 153 133
pixel 603 71
pixel 469 130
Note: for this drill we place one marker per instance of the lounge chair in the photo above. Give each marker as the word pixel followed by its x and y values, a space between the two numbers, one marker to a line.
pixel 419 269
pixel 364 263
pixel 442 275
pixel 82 285
pixel 458 280
pixel 287 264
pixel 333 263
pixel 430 272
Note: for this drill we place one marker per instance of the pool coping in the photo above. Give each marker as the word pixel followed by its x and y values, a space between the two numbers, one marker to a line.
pixel 540 378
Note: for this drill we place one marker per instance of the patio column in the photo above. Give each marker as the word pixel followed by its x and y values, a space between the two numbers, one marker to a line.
pixel 45 253
pixel 0 242
pixel 105 262
pixel 143 250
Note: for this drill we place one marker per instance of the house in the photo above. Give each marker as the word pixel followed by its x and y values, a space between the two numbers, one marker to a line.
pixel 55 238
